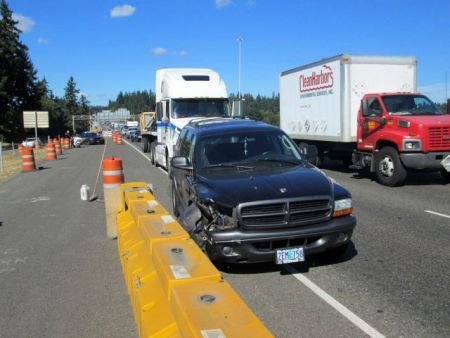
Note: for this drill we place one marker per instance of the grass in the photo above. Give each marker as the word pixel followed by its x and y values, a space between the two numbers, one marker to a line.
pixel 12 162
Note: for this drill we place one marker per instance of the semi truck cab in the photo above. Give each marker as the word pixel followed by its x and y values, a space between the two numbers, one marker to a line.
pixel 397 132
pixel 183 94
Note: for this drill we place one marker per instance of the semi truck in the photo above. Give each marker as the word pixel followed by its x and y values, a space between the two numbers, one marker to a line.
pixel 365 111
pixel 183 94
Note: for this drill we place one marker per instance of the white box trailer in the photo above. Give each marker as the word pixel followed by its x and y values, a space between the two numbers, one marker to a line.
pixel 320 101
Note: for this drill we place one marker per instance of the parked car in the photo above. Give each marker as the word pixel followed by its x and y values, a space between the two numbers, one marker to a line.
pixel 246 193
pixel 29 142
pixel 93 138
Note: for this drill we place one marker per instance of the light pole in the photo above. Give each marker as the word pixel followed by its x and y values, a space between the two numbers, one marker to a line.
pixel 239 40
pixel 446 95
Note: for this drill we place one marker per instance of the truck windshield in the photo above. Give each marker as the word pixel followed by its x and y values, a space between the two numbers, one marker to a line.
pixel 199 107
pixel 410 105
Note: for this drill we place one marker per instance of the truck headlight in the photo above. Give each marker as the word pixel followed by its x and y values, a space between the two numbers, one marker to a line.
pixel 412 145
pixel 343 207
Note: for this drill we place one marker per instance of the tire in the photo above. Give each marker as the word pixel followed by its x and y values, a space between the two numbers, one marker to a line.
pixel 389 170
pixel 175 202
pixel 168 168
pixel 445 174
pixel 146 145
pixel 152 153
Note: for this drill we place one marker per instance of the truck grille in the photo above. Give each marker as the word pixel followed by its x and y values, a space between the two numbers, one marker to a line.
pixel 439 138
pixel 283 213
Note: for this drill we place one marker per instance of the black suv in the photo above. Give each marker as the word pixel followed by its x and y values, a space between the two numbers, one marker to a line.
pixel 246 193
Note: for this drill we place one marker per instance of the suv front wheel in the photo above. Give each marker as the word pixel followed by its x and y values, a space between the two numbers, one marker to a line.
pixel 175 201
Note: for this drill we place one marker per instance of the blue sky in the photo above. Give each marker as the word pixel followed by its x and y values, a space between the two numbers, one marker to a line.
pixel 112 45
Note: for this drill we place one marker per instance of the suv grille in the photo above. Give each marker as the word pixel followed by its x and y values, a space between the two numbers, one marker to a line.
pixel 439 137
pixel 284 213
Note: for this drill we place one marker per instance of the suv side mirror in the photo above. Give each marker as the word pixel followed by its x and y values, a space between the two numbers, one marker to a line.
pixel 181 162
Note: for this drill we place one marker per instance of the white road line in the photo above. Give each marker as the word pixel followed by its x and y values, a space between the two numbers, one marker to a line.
pixel 137 149
pixel 437 213
pixel 145 156
pixel 369 330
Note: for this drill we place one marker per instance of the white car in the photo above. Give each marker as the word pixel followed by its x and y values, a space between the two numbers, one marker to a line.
pixel 29 142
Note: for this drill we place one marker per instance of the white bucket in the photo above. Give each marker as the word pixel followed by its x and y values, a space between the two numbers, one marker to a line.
pixel 85 192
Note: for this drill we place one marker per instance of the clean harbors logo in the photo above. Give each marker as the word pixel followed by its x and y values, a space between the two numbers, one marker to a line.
pixel 316 81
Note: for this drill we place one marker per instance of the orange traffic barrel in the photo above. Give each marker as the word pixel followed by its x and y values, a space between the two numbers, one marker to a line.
pixel 57 146
pixel 114 137
pixel 112 172
pixel 28 163
pixel 66 143
pixel 51 151
pixel 119 138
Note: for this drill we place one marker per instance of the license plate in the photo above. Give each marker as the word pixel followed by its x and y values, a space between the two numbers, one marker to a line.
pixel 291 255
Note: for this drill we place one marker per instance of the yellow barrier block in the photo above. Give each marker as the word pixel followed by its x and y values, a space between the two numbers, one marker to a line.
pixel 152 311
pixel 137 196
pixel 214 309
pixel 175 290
pixel 181 262
pixel 130 187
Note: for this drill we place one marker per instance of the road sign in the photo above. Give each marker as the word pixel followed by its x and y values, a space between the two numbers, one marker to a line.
pixel 35 119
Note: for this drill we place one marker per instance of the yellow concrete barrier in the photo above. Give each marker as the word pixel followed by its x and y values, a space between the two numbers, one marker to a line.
pixel 175 290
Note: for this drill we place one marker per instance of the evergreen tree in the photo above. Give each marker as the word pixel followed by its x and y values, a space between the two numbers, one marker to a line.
pixel 71 92
pixel 84 105
pixel 18 90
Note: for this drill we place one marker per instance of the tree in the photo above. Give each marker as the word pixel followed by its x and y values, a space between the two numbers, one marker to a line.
pixel 71 98
pixel 54 106
pixel 84 105
pixel 18 90
pixel 136 102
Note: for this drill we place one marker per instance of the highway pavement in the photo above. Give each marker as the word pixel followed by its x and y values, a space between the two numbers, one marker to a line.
pixel 61 276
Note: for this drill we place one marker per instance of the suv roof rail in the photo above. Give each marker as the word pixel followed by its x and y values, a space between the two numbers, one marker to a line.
pixel 204 120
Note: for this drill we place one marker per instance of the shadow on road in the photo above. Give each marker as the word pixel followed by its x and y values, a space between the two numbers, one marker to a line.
pixel 414 178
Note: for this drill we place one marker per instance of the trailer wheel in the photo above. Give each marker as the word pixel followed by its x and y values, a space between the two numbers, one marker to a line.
pixel 145 146
pixel 152 153
pixel 389 170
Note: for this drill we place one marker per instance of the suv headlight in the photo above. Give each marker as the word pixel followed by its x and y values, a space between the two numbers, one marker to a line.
pixel 412 145
pixel 343 207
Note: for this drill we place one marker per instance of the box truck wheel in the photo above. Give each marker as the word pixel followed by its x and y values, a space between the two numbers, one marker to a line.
pixel 389 170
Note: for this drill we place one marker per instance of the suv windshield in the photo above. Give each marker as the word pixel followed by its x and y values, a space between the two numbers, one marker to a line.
pixel 245 149
pixel 199 107
pixel 410 105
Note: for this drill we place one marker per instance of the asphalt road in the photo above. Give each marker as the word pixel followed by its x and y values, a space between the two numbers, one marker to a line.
pixel 61 276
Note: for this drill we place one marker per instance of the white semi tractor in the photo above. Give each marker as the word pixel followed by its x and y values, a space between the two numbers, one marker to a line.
pixel 181 95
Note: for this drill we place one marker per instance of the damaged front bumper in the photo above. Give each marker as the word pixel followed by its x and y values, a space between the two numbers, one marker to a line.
pixel 238 246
